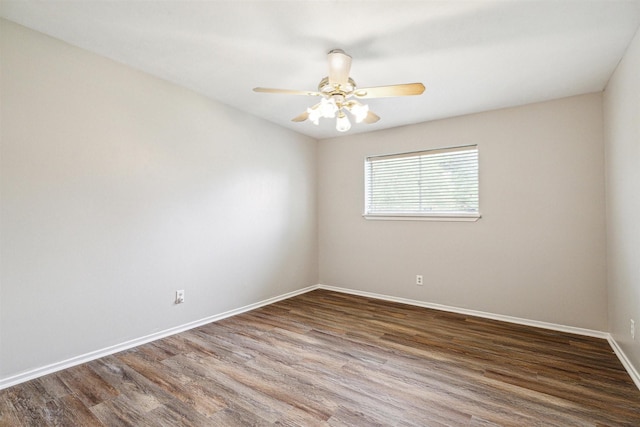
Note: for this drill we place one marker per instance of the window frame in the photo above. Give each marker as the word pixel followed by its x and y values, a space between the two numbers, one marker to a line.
pixel 417 216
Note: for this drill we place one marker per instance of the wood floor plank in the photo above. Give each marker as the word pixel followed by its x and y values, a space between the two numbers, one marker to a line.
pixel 9 416
pixel 331 359
pixel 87 385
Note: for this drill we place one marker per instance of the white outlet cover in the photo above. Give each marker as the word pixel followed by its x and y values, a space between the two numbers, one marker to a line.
pixel 179 297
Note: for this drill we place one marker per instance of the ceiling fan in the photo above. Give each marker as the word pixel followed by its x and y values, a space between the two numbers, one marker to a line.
pixel 337 90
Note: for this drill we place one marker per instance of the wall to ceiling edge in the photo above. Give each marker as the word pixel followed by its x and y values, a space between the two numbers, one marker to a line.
pixel 118 188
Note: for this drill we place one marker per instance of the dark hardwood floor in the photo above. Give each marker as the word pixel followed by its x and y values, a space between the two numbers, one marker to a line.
pixel 326 358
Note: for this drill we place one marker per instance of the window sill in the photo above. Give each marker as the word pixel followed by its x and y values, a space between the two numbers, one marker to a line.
pixel 399 217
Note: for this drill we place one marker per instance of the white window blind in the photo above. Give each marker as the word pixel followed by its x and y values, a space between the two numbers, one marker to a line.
pixel 433 183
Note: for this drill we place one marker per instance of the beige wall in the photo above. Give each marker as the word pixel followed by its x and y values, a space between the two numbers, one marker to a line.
pixel 622 139
pixel 538 252
pixel 118 188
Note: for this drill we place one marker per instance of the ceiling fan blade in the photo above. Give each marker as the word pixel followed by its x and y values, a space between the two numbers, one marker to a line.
pixel 285 91
pixel 339 67
pixel 389 91
pixel 371 118
pixel 301 118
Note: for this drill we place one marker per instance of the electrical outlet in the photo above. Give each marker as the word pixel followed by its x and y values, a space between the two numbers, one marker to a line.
pixel 633 329
pixel 419 280
pixel 180 296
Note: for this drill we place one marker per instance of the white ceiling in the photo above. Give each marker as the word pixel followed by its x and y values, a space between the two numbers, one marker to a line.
pixel 471 55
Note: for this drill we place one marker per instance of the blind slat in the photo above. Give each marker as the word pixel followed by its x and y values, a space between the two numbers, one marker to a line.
pixel 443 181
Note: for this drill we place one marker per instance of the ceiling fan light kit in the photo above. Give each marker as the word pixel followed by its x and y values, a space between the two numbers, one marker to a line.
pixel 342 122
pixel 336 90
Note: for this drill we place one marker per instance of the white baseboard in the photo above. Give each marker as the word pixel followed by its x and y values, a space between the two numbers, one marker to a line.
pixel 87 357
pixel 509 319
pixel 633 373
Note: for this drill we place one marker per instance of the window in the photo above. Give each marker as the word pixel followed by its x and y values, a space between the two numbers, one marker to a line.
pixel 433 184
